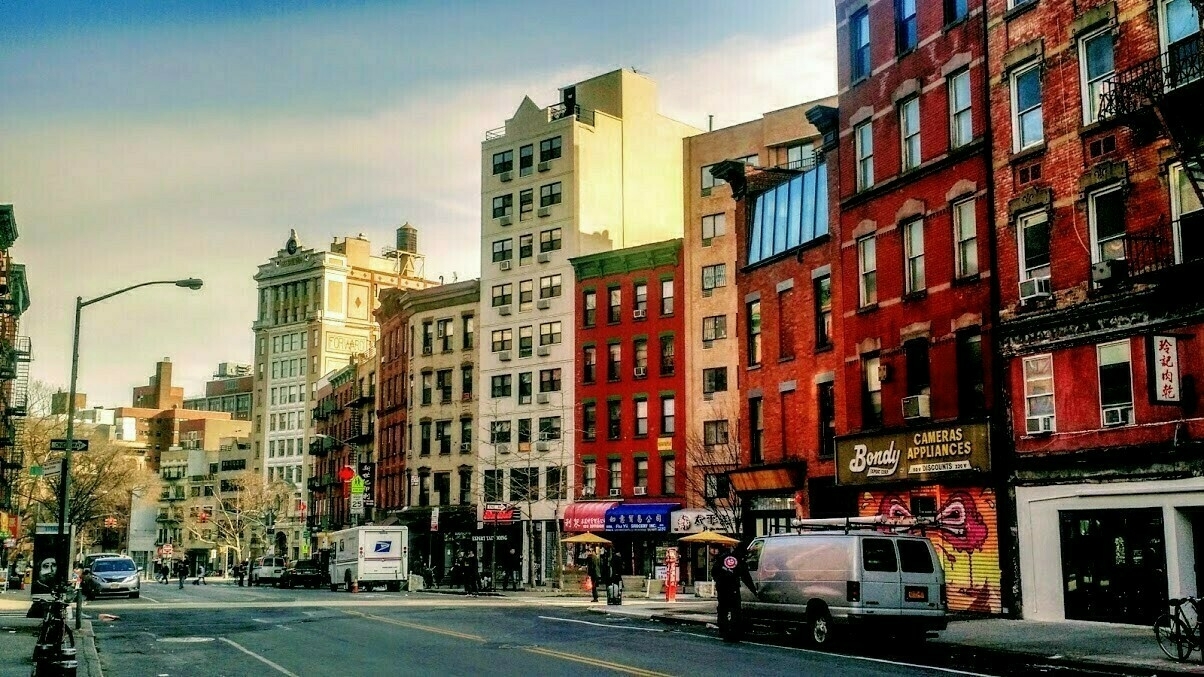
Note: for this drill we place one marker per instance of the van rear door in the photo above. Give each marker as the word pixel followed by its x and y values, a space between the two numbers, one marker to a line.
pixel 921 584
pixel 880 590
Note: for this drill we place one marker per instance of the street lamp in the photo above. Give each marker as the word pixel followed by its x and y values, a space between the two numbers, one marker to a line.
pixel 65 481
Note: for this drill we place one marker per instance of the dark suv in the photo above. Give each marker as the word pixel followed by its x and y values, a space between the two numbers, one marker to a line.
pixel 305 573
pixel 111 576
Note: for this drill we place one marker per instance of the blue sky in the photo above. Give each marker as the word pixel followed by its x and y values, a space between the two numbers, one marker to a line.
pixel 164 139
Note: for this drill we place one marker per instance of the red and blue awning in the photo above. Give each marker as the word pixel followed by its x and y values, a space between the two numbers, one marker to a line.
pixel 647 517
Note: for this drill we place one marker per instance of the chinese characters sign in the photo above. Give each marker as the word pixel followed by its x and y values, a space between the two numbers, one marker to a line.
pixel 1164 369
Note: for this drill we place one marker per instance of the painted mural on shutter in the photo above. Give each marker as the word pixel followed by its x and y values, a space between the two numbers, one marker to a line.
pixel 964 535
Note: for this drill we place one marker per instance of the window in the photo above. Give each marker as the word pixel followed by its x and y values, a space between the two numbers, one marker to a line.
pixel 549 428
pixel 823 311
pixel 668 355
pixel 668 415
pixel 524 484
pixel 971 387
pixel 466 382
pixel 641 418
pixel 443 437
pixel 640 305
pixel 549 380
pixel 1106 216
pixel 913 250
pixel 425 432
pixel 1039 411
pixel 549 240
pixel 753 343
pixel 503 161
pixel 714 433
pixel 526 341
pixel 614 309
pixel 444 330
pixel 965 239
pixel 1034 245
pixel 549 286
pixel 554 484
pixel 709 181
pixel 716 486
pixel 878 554
pixel 906 30
pixel 1115 383
pixel 549 149
pixel 443 383
pixel 503 294
pixel 469 332
pixel 494 483
pixel 714 380
pixel 1027 127
pixel 589 421
pixel 714 276
pixel 714 327
pixel 614 420
pixel 526 248
pixel 526 204
pixel 756 430
pixel 500 385
pixel 668 476
pixel 615 479
pixel 1095 63
pixel 526 159
pixel 465 486
pixel 589 308
pixel 961 123
pixel 956 10
pixel 871 392
pixel 640 348
pixel 826 397
pixel 549 195
pixel 427 387
pixel 641 472
pixel 666 297
pixel 1180 26
pixel 615 362
pixel 526 295
pixel 502 205
pixel 859 44
pixel 867 271
pixel 915 352
pixel 589 364
pixel 909 129
pixel 713 226
pixel 525 387
pixel 549 333
pixel 863 142
pixel 502 339
pixel 589 478
pixel 1187 219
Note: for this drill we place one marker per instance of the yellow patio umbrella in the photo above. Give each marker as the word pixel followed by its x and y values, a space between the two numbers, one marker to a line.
pixel 709 538
pixel 588 538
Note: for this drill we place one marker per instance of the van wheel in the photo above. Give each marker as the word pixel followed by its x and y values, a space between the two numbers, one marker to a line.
pixel 820 626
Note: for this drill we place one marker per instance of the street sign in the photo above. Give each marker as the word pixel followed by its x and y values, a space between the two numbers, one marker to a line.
pixel 60 444
pixel 35 471
pixel 53 469
pixel 357 486
pixel 357 504
pixel 435 519
pixel 167 550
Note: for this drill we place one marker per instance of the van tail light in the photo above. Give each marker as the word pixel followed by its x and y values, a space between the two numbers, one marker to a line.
pixel 853 591
pixel 944 596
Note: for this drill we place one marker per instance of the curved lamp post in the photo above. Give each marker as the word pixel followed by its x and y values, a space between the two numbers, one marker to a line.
pixel 65 481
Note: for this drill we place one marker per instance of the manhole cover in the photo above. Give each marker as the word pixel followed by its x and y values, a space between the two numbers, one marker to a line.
pixel 185 640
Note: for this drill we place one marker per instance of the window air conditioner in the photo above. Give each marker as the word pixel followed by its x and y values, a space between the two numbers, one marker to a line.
pixel 1036 425
pixel 542 398
pixel 616 492
pixel 916 406
pixel 545 165
pixel 504 355
pixel 543 304
pixel 506 176
pixel 544 211
pixel 504 221
pixel 541 446
pixel 504 265
pixel 544 351
pixel 587 492
pixel 1108 271
pixel 544 258
pixel 502 448
pixel 641 491
pixel 1036 288
pixel 524 447
pixel 545 436
pixel 708 396
pixel 1114 416
pixel 641 372
pixel 503 310
pixel 465 447
pixel 639 313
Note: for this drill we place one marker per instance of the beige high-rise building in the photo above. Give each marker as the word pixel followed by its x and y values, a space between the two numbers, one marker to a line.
pixel 315 312
pixel 782 138
pixel 599 170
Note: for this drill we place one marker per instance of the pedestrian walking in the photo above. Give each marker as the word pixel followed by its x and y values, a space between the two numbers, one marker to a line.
pixel 728 572
pixel 200 575
pixel 593 569
pixel 241 570
pixel 181 572
pixel 615 571
pixel 514 567
pixel 472 574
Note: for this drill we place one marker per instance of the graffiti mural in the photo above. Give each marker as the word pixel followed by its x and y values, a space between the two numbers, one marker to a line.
pixel 961 524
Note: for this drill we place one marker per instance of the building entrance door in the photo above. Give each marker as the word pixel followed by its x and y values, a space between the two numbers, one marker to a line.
pixel 1113 565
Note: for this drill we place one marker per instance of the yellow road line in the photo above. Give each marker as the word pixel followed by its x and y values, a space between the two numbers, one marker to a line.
pixel 416 626
pixel 595 662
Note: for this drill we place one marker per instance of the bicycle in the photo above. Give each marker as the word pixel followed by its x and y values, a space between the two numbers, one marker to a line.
pixel 1179 633
pixel 54 653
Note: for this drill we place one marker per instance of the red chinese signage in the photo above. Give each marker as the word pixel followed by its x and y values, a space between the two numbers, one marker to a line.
pixel 1164 369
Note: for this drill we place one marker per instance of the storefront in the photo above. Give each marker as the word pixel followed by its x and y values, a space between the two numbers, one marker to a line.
pixel 769 496
pixel 936 479
pixel 1110 552
pixel 694 521
pixel 639 531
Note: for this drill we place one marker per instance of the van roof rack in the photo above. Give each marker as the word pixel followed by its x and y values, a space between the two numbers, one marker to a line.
pixel 849 524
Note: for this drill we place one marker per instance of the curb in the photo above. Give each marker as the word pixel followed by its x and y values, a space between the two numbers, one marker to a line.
pixel 985 657
pixel 89 658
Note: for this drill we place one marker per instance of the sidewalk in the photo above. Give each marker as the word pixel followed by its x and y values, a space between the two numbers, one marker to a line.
pixel 18 634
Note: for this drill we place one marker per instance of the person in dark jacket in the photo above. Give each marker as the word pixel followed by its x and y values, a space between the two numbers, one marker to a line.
pixel 615 569
pixel 729 571
pixel 472 574
pixel 593 569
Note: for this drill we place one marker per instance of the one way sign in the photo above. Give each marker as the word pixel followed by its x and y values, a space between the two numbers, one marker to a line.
pixel 60 444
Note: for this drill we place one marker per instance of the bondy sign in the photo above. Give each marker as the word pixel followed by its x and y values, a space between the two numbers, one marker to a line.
pixel 913 455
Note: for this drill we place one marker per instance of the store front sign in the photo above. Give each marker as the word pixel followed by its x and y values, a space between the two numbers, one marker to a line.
pixel 693 521
pixel 1164 369
pixel 913 455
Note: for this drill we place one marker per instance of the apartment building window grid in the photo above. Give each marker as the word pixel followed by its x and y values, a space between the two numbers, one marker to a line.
pixel 526 248
pixel 667 297
pixel 640 300
pixel 614 308
pixel 713 225
pixel 1028 127
pixel 859 43
pixel 1096 64
pixel 906 28
pixel 961 123
pixel 549 286
pixel 641 418
pixel 526 341
pixel 714 276
pixel 909 128
pixel 913 247
pixel 614 364
pixel 550 194
pixel 503 161
pixel 549 333
pixel 1106 217
pixel 965 238
pixel 526 295
pixel 549 149
pixel 867 271
pixel 1039 412
pixel 753 346
pixel 589 307
pixel 1034 234
pixel 863 141
pixel 614 420
pixel 668 415
pixel 823 311
pixel 549 240
pixel 1115 383
pixel 714 327
pixel 589 364
pixel 756 430
pixel 668 355
pixel 871 392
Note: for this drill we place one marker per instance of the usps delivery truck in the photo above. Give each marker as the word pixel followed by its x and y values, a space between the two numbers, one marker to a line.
pixel 370 557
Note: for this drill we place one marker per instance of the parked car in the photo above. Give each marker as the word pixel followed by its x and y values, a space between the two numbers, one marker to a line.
pixel 112 576
pixel 267 570
pixel 306 574
pixel 823 579
pixel 93 556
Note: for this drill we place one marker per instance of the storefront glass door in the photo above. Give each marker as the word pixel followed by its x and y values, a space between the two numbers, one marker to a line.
pixel 1113 565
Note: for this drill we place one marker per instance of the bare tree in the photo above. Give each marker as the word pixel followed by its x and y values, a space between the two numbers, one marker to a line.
pixel 240 508
pixel 710 455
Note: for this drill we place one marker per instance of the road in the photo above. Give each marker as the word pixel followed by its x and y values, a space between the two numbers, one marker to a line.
pixel 226 630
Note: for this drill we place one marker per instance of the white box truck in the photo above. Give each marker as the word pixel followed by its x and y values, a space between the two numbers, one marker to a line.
pixel 370 556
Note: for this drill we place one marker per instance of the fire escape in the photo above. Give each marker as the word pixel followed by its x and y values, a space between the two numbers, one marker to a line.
pixel 15 355
pixel 1159 97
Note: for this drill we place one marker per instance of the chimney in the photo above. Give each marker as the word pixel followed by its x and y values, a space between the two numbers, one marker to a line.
pixel 162 383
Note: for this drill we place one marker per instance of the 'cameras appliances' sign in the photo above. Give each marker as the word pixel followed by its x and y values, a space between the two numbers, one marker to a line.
pixel 913 455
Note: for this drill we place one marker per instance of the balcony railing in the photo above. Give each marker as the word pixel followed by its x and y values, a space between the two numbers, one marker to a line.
pixel 366 395
pixel 561 111
pixel 1164 248
pixel 802 164
pixel 1145 84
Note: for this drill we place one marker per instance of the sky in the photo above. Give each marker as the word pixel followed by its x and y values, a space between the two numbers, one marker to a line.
pixel 177 138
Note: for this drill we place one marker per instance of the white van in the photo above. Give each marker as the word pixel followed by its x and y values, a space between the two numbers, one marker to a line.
pixel 267 570
pixel 815 580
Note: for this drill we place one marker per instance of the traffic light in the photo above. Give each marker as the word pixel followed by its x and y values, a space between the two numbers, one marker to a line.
pixel 111 522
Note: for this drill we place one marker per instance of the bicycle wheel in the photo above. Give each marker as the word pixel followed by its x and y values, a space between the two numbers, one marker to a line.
pixel 1174 638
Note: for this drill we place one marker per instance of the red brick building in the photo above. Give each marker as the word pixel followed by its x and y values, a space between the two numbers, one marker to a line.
pixel 912 170
pixel 345 422
pixel 1100 238
pixel 629 380
pixel 391 404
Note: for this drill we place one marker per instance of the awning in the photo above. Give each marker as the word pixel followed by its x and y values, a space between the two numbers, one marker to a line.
pixel 789 476
pixel 587 516
pixel 640 516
